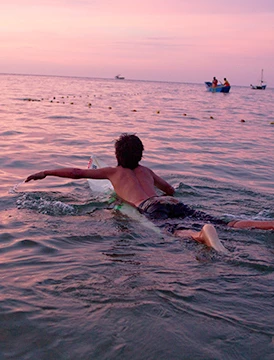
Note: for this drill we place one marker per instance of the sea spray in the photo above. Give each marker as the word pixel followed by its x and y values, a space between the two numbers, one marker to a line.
pixel 45 204
pixel 14 189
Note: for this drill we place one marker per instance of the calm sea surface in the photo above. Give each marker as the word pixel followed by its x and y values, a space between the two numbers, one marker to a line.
pixel 80 281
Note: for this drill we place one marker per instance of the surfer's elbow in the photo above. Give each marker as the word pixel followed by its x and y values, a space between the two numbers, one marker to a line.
pixel 170 190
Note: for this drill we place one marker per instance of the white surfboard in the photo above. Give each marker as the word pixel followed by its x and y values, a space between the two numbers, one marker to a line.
pixel 104 186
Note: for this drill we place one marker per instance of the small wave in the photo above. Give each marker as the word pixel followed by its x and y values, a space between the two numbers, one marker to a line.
pixel 264 215
pixel 10 133
pixel 56 117
pixel 29 99
pixel 44 205
pixel 37 246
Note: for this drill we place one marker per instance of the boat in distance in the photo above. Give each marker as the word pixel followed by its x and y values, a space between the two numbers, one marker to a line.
pixel 261 85
pixel 119 77
pixel 218 88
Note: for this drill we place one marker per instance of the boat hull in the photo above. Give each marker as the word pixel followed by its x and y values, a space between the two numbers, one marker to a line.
pixel 259 87
pixel 218 88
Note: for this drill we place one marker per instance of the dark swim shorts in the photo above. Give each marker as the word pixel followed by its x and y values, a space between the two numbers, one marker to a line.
pixel 165 207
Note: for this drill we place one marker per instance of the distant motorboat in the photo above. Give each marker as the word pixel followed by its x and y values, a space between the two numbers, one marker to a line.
pixel 119 77
pixel 261 85
pixel 218 88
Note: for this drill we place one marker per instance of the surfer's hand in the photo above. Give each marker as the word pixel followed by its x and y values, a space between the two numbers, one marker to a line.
pixel 38 176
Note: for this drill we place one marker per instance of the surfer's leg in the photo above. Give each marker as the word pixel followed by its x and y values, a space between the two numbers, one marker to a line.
pixel 188 234
pixel 252 224
pixel 202 236
pixel 207 236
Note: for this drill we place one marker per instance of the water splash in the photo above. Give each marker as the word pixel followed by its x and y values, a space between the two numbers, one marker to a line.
pixel 265 214
pixel 14 189
pixel 44 204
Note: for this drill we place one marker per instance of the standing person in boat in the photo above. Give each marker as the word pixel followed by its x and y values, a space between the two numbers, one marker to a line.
pixel 226 83
pixel 214 82
pixel 135 184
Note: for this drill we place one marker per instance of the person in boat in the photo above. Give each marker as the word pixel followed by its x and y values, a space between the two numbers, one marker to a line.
pixel 136 184
pixel 226 83
pixel 214 82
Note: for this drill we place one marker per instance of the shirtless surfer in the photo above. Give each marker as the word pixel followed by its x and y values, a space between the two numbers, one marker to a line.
pixel 135 184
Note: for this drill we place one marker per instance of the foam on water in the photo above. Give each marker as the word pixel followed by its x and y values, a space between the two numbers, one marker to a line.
pixel 43 204
pixel 14 189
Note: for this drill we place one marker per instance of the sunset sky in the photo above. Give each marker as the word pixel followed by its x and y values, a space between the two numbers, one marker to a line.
pixel 174 40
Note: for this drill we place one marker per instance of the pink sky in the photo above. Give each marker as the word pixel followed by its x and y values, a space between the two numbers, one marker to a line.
pixel 175 40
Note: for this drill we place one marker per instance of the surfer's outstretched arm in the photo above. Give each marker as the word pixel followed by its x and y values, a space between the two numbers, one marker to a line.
pixel 252 224
pixel 207 236
pixel 73 173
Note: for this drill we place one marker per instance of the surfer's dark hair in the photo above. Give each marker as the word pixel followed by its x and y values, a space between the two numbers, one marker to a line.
pixel 129 151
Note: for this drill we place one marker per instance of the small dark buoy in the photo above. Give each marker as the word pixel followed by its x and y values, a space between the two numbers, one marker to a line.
pixel 242 120
pixel 134 110
pixel 211 117
pixel 184 114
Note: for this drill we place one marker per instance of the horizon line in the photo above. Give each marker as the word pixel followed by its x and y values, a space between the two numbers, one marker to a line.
pixel 125 79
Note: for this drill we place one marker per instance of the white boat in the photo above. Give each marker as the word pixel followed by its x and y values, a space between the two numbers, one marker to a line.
pixel 119 77
pixel 261 85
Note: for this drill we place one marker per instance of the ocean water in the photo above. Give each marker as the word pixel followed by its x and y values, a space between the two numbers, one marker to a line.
pixel 81 281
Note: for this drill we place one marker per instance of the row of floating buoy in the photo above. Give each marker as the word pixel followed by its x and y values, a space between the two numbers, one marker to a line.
pixel 110 107
pixel 87 95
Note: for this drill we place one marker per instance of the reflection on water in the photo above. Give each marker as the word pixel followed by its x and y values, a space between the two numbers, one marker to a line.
pixel 79 279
